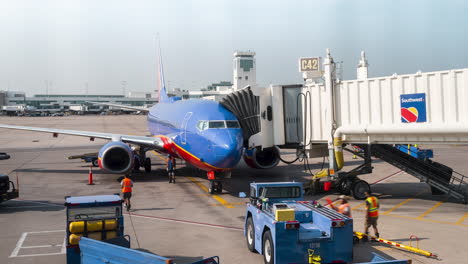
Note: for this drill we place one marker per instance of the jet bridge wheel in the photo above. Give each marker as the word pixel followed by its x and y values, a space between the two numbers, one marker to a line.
pixel 359 189
pixel 147 165
pixel 344 185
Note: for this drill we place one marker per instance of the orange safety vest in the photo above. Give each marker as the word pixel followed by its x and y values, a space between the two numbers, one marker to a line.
pixel 372 206
pixel 126 185
pixel 344 209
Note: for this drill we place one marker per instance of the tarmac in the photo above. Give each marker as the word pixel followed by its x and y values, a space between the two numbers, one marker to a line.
pixel 182 220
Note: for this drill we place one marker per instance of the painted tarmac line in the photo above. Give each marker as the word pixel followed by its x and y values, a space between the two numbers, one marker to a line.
pixel 402 203
pixel 185 222
pixel 459 222
pixel 37 255
pixel 20 242
pixel 387 177
pixel 216 197
pixel 427 220
pixel 430 210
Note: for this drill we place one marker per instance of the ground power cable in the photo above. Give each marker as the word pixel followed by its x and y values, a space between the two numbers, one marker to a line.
pixel 134 230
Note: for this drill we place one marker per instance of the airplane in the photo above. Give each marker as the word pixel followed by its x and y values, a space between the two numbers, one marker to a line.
pixel 201 132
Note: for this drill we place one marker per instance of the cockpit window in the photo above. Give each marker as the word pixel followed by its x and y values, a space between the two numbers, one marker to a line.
pixel 232 124
pixel 204 125
pixel 217 124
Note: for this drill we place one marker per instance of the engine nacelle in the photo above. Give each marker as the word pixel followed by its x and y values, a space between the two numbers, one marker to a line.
pixel 116 157
pixel 266 158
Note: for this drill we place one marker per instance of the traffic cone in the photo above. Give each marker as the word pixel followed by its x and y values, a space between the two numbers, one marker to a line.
pixel 90 176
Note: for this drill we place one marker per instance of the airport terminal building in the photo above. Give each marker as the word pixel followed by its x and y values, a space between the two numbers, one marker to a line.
pixel 15 102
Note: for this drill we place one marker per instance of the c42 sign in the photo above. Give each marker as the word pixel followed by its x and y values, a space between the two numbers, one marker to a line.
pixel 309 64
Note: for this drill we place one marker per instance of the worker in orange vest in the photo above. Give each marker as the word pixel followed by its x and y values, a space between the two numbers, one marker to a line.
pixel 127 185
pixel 343 208
pixel 372 214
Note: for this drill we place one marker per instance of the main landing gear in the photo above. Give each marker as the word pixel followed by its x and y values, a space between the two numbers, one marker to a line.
pixel 141 160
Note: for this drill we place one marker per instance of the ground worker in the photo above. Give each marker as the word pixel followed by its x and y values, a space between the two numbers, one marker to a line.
pixel 372 214
pixel 171 166
pixel 127 185
pixel 343 208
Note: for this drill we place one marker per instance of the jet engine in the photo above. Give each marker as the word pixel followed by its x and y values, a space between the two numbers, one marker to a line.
pixel 266 158
pixel 116 157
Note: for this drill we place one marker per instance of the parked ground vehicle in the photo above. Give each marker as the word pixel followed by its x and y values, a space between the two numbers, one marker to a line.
pixel 8 190
pixel 99 217
pixel 284 228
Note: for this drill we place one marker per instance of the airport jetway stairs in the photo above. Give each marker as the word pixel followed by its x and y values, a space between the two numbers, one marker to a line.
pixel 438 176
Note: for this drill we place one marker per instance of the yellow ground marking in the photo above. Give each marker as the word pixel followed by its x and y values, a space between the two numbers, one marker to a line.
pixel 397 206
pixel 228 204
pixel 430 210
pixel 216 197
pixel 357 206
pixel 459 222
pixel 427 220
pixel 159 155
pixel 402 203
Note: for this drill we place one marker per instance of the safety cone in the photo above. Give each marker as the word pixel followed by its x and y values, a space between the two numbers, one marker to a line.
pixel 90 176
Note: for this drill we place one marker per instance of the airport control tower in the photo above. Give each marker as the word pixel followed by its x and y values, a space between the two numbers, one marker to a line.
pixel 244 69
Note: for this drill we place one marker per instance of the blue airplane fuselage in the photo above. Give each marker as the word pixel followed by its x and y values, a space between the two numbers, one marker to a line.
pixel 185 128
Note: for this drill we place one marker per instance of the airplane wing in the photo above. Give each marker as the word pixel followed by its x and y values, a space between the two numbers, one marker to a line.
pixel 152 142
pixel 143 109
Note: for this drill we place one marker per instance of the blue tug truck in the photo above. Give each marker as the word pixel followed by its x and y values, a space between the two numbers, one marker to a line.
pixel 284 228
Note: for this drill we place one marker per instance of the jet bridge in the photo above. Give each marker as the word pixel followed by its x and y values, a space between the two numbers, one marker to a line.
pixel 322 115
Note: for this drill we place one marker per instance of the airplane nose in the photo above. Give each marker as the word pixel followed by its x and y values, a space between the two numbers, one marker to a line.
pixel 228 147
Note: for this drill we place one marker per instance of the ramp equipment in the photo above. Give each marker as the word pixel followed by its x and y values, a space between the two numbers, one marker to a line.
pixel 360 236
pixel 440 177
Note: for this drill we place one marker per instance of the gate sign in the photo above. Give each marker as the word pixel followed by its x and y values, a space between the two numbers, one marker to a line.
pixel 413 108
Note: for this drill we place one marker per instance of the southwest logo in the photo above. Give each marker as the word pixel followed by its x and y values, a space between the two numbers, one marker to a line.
pixel 409 114
pixel 413 108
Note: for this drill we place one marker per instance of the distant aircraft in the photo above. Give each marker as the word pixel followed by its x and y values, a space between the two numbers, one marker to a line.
pixel 201 132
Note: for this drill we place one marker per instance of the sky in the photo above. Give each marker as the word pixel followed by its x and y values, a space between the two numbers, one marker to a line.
pixel 109 46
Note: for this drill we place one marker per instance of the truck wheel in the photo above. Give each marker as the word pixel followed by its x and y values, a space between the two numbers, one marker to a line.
pixel 268 248
pixel 359 188
pixel 95 163
pixel 250 236
pixel 147 165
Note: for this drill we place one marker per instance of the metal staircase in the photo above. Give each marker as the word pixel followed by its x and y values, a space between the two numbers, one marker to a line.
pixel 438 176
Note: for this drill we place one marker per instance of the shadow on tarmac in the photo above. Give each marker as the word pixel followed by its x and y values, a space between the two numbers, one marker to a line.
pixel 29 206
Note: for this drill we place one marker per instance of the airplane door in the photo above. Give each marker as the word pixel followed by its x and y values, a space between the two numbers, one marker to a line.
pixel 184 127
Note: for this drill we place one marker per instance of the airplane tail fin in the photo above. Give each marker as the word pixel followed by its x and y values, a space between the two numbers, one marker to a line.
pixel 163 97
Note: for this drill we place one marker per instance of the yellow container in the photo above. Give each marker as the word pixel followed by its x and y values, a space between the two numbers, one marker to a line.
pixel 96 225
pixel 285 215
pixel 74 239
pixel 98 235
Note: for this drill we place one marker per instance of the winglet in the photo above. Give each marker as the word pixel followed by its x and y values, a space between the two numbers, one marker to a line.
pixel 163 97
